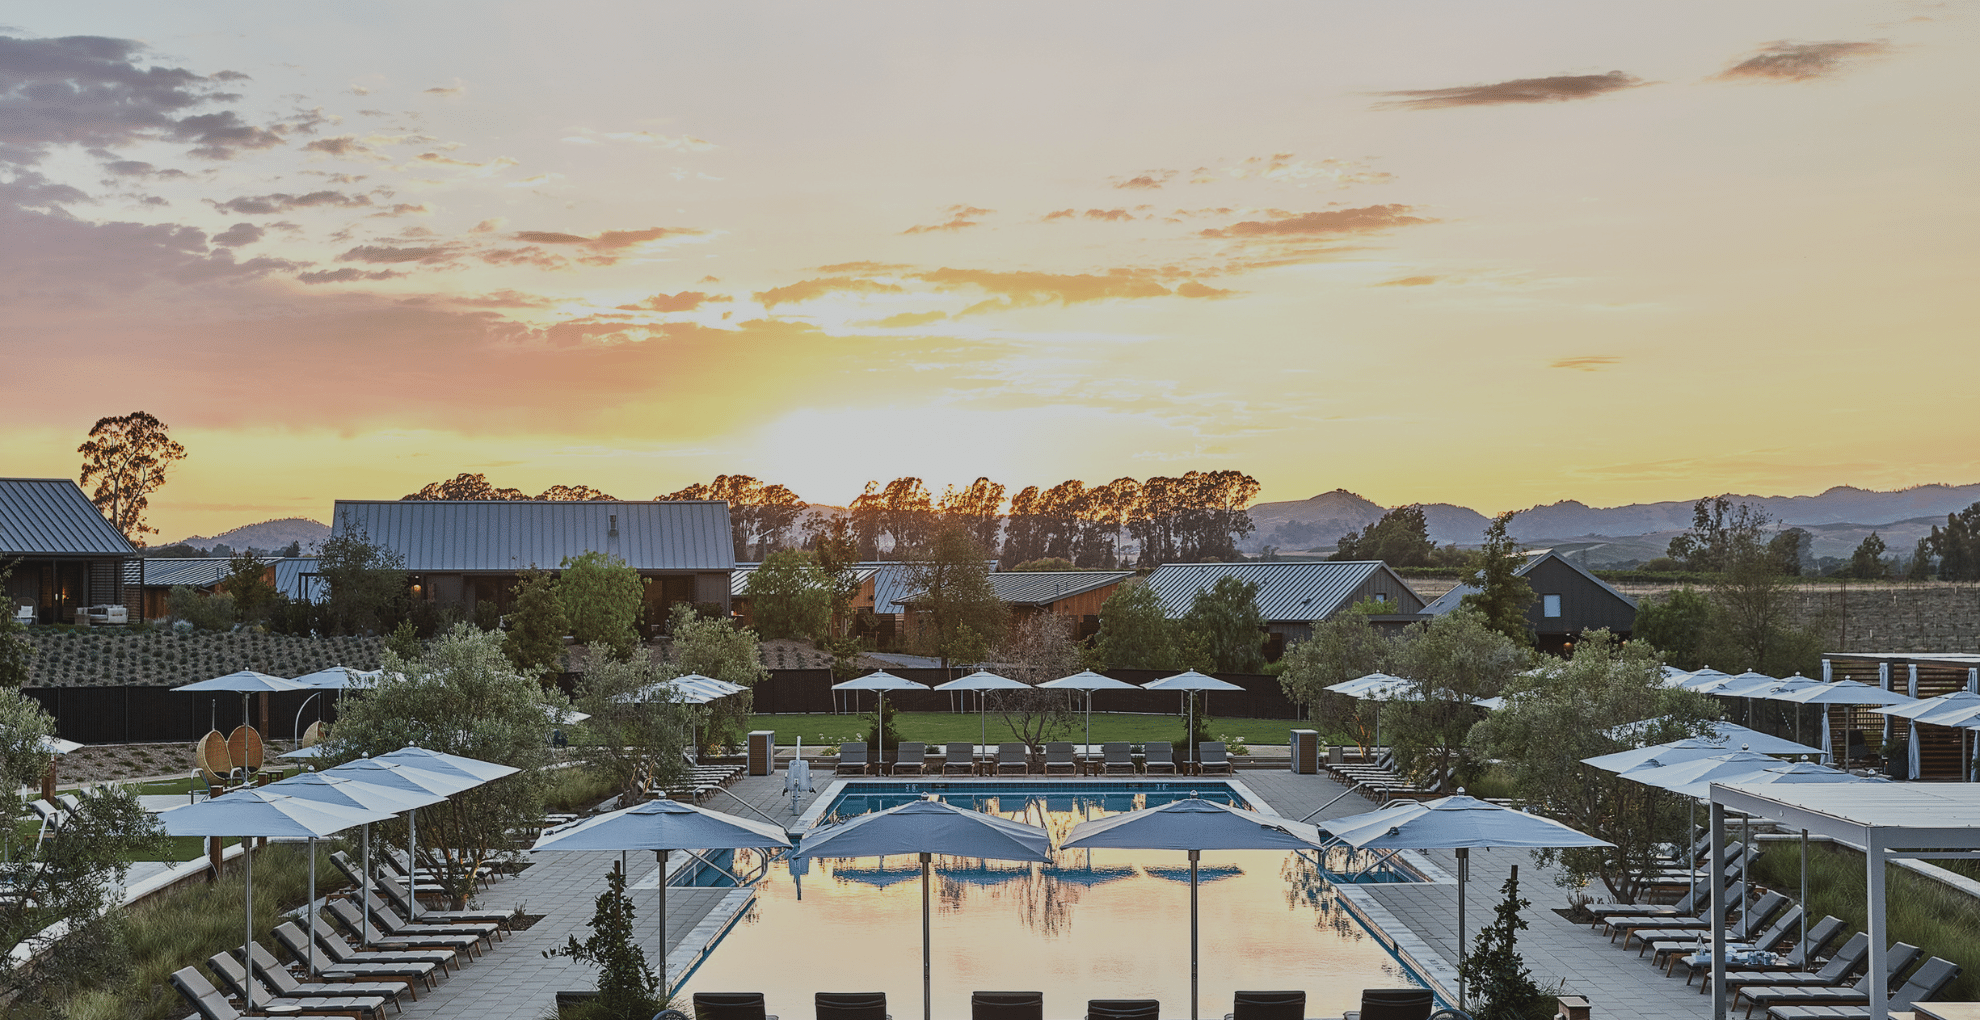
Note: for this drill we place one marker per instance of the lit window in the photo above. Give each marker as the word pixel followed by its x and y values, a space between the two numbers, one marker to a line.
pixel 1550 606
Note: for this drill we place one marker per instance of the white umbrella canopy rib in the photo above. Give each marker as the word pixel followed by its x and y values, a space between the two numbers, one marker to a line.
pixel 1191 681
pixel 1088 681
pixel 980 681
pixel 880 682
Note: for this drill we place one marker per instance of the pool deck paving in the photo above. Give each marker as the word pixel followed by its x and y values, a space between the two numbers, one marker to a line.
pixel 514 980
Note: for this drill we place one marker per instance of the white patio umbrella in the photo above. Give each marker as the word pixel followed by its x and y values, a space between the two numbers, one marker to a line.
pixel 1376 687
pixel 1654 756
pixel 1843 692
pixel 1457 823
pixel 688 689
pixel 1193 825
pixel 331 678
pixel 56 745
pixel 1089 681
pixel 880 682
pixel 926 827
pixel 449 764
pixel 1700 677
pixel 344 792
pixel 663 826
pixel 1728 736
pixel 251 813
pixel 245 682
pixel 412 779
pixel 981 681
pixel 1191 681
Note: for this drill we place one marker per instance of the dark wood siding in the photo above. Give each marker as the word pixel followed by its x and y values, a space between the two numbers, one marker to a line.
pixel 1397 593
pixel 1585 605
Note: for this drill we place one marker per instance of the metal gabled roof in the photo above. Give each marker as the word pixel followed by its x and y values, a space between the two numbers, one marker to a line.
pixel 52 517
pixel 1448 601
pixel 1287 592
pixel 492 536
pixel 1040 587
pixel 739 580
pixel 296 577
pixel 193 572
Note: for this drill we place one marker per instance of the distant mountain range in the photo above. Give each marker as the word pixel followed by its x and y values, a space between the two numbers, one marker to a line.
pixel 268 535
pixel 1839 518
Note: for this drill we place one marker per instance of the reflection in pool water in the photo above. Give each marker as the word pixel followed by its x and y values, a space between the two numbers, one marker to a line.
pixel 1091 924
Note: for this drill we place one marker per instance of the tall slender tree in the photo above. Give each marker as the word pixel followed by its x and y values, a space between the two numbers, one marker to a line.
pixel 1503 596
pixel 127 458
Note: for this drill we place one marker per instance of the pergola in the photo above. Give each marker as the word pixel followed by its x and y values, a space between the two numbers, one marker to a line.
pixel 1888 820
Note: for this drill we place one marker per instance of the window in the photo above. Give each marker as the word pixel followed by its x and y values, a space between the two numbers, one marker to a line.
pixel 1550 606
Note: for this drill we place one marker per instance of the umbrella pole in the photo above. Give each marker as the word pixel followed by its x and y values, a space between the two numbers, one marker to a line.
pixel 412 860
pixel 1194 856
pixel 1804 897
pixel 927 994
pixel 310 967
pixel 247 937
pixel 364 916
pixel 661 856
pixel 1464 876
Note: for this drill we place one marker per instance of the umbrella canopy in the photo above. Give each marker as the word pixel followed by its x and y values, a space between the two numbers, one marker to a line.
pixel 691 689
pixel 1193 825
pixel 1362 686
pixel 1700 677
pixel 982 680
pixel 1089 681
pixel 1190 680
pixel 1718 766
pixel 1455 823
pixel 926 827
pixel 1729 736
pixel 336 678
pixel 1844 692
pixel 246 681
pixel 1743 685
pixel 56 745
pixel 663 825
pixel 406 777
pixel 1655 756
pixel 449 764
pixel 261 812
pixel 1787 689
pixel 1950 705
pixel 879 680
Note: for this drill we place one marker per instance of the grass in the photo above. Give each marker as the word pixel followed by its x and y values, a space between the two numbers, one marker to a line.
pixel 576 789
pixel 184 926
pixel 1934 917
pixel 943 727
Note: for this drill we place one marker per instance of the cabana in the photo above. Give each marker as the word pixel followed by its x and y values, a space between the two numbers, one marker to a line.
pixel 1887 820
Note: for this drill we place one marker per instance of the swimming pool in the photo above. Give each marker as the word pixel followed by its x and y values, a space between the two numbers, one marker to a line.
pixel 1091 924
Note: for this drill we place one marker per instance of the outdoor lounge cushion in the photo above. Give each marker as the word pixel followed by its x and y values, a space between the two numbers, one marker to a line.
pixel 1118 757
pixel 1214 756
pixel 397 922
pixel 852 759
pixel 730 1006
pixel 850 1005
pixel 345 913
pixel 1898 960
pixel 397 894
pixel 1007 1006
pixel 1762 942
pixel 235 977
pixel 1840 968
pixel 1011 759
pixel 1158 756
pixel 1123 1009
pixel 1820 935
pixel 1926 984
pixel 1397 1003
pixel 295 942
pixel 1268 1006
pixel 910 757
pixel 212 1005
pixel 961 758
pixel 1059 758
pixel 337 949
pixel 274 975
pixel 1645 930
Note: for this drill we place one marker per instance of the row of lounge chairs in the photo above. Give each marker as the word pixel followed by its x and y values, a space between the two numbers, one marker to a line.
pixel 1772 971
pixel 1376 1004
pixel 394 950
pixel 1381 782
pixel 1015 759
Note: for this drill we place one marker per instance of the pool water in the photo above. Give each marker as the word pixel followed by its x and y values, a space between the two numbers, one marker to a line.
pixel 1091 924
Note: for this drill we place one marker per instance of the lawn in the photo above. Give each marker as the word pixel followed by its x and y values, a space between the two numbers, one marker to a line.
pixel 942 727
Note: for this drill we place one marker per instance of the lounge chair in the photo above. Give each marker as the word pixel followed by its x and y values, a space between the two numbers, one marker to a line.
pixel 1214 759
pixel 235 978
pixel 1673 928
pixel 212 1005
pixel 851 1005
pixel 397 923
pixel 1123 1009
pixel 1685 906
pixel 1796 958
pixel 295 942
pixel 345 913
pixel 961 759
pixel 1117 759
pixel 1700 903
pixel 274 975
pixel 910 757
pixel 1059 759
pixel 337 949
pixel 1840 968
pixel 1924 986
pixel 730 1006
pixel 1158 756
pixel 1395 1004
pixel 1766 997
pixel 852 759
pixel 402 900
pixel 1013 759
pixel 1267 1006
pixel 1007 1006
pixel 1666 953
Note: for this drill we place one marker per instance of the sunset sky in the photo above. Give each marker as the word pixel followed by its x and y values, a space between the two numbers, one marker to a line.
pixel 1493 254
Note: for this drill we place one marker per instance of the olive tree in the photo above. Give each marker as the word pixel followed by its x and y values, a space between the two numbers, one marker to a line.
pixel 719 649
pixel 1341 649
pixel 790 596
pixel 461 696
pixel 1037 648
pixel 602 598
pixel 1563 712
pixel 1454 659
pixel 630 733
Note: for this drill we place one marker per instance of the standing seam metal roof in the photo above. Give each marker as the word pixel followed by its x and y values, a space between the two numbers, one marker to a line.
pixel 52 517
pixel 193 572
pixel 506 536
pixel 1449 601
pixel 296 577
pixel 1287 592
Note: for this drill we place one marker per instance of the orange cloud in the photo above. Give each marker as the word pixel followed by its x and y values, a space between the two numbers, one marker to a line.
pixel 805 290
pixel 1791 61
pixel 1586 363
pixel 1146 181
pixel 1109 215
pixel 1410 281
pixel 685 301
pixel 906 319
pixel 1520 90
pixel 1364 220
pixel 959 219
pixel 1059 214
pixel 1192 289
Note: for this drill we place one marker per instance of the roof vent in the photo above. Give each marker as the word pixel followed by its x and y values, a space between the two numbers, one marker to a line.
pixel 614 530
